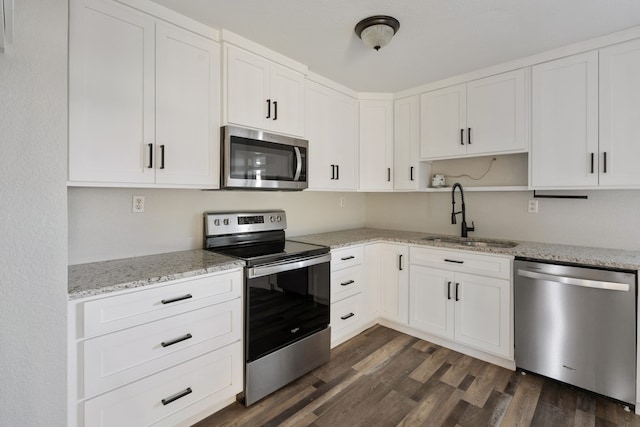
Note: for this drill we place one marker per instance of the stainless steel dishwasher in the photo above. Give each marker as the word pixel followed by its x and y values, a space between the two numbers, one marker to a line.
pixel 577 325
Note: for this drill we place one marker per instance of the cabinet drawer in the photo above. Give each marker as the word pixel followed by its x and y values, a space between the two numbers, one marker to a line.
pixel 125 356
pixel 347 257
pixel 462 261
pixel 146 305
pixel 346 313
pixel 156 400
pixel 346 282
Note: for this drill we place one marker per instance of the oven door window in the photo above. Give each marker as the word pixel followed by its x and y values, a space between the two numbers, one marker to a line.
pixel 268 161
pixel 286 307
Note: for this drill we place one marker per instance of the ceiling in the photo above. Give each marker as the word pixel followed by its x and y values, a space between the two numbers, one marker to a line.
pixel 436 39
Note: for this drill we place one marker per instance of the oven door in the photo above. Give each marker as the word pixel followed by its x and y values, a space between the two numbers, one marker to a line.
pixel 254 159
pixel 285 302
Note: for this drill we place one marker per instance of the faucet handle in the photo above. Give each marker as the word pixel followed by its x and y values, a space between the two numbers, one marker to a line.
pixel 472 228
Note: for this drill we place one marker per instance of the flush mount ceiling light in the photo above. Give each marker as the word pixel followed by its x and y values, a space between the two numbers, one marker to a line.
pixel 376 31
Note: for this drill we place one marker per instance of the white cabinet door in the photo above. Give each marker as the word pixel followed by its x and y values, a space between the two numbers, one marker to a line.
pixel 262 94
pixel 332 131
pixel 432 301
pixel 565 123
pixel 496 114
pixel 287 101
pixel 376 145
pixel 482 306
pixel 394 282
pixel 187 108
pixel 442 122
pixel 406 142
pixel 248 86
pixel 619 114
pixel 111 93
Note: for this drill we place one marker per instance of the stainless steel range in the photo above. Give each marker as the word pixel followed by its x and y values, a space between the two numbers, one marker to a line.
pixel 286 297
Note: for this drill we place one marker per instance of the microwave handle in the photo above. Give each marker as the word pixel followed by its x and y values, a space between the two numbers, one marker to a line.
pixel 298 164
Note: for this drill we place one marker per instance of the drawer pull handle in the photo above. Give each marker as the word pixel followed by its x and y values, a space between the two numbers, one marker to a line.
pixel 176 340
pixel 454 261
pixel 176 299
pixel 176 396
pixel 347 283
pixel 347 258
pixel 346 316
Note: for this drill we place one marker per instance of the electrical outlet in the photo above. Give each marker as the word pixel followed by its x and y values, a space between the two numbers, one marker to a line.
pixel 342 201
pixel 533 206
pixel 138 204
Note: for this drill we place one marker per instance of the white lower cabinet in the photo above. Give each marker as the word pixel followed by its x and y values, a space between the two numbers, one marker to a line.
pixel 393 265
pixel 348 309
pixel 163 355
pixel 470 309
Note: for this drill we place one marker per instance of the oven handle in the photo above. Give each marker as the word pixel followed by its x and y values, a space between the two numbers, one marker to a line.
pixel 275 268
pixel 298 164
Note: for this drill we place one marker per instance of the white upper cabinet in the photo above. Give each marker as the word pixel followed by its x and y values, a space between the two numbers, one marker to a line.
pixel 565 123
pixel 406 142
pixel 187 108
pixel 376 145
pixel 332 131
pixel 111 93
pixel 485 116
pixel 262 94
pixel 620 114
pixel 143 100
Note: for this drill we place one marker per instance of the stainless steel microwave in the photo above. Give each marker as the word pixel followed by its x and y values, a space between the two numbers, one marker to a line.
pixel 257 160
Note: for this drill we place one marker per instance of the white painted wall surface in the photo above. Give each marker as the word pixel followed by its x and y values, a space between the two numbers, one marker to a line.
pixel 33 217
pixel 607 219
pixel 102 226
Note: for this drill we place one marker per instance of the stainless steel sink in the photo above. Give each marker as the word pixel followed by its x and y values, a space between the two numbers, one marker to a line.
pixel 476 243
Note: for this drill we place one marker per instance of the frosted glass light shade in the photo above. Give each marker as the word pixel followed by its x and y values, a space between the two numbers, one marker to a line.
pixel 376 31
pixel 377 36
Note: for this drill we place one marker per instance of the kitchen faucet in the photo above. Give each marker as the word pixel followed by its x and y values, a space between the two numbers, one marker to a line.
pixel 465 229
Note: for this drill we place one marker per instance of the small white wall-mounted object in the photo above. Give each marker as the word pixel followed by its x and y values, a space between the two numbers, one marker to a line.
pixel 6 24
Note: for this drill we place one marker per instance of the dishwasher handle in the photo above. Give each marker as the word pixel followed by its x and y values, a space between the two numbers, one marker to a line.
pixel 575 281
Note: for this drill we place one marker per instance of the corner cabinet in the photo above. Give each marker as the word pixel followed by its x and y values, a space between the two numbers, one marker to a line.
pixel 406 143
pixel 143 100
pixel 262 94
pixel 376 145
pixel 462 297
pixel 481 117
pixel 332 131
pixel 165 355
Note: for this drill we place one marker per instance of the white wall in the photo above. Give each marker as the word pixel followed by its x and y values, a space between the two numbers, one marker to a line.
pixel 102 226
pixel 33 217
pixel 607 219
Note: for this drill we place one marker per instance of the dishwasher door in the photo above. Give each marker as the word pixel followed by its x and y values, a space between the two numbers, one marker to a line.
pixel 577 325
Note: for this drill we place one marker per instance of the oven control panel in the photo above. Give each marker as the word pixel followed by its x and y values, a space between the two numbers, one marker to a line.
pixel 220 223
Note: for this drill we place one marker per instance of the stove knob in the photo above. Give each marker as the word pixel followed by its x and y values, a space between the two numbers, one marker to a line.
pixel 226 221
pixel 216 222
pixel 278 218
pixel 272 219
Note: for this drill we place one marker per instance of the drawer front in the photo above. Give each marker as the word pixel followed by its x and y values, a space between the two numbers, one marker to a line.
pixel 188 387
pixel 346 282
pixel 347 257
pixel 462 261
pixel 125 356
pixel 347 313
pixel 146 305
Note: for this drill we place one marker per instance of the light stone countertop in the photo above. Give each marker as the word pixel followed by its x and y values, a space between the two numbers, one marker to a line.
pixel 98 278
pixel 597 257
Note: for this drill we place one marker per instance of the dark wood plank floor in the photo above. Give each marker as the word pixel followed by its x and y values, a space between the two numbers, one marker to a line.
pixel 386 378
